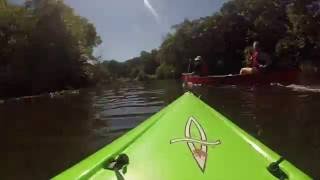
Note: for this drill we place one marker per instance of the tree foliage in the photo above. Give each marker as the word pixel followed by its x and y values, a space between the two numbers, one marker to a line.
pixel 44 48
pixel 287 29
pixel 136 68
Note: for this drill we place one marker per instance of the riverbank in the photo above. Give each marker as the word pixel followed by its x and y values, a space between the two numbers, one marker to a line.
pixel 63 92
pixel 54 94
pixel 308 72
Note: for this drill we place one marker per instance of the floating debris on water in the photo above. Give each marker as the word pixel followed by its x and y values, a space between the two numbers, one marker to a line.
pixel 44 95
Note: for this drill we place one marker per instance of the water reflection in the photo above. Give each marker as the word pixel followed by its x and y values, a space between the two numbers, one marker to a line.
pixel 42 133
pixel 283 119
pixel 45 136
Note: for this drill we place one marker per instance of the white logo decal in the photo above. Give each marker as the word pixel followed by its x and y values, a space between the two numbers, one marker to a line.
pixel 199 154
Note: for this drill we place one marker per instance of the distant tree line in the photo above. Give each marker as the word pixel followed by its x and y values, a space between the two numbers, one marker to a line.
pixel 141 68
pixel 287 29
pixel 44 47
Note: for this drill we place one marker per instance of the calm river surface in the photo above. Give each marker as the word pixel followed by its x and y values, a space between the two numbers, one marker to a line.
pixel 46 135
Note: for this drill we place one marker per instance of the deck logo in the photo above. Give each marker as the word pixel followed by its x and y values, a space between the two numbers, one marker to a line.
pixel 199 145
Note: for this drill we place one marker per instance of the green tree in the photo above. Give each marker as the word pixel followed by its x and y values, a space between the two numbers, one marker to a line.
pixel 42 49
pixel 287 30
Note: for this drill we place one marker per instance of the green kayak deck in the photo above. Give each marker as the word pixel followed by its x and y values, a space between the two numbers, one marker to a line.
pixel 186 140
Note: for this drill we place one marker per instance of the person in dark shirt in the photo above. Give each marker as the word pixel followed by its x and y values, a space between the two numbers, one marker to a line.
pixel 200 66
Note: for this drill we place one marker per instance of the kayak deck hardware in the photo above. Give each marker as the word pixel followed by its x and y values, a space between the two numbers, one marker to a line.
pixel 275 170
pixel 120 163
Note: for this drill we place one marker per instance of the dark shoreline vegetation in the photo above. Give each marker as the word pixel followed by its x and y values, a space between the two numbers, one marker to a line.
pixel 46 47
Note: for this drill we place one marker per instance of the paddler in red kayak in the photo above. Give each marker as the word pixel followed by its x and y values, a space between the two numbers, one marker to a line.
pixel 259 61
pixel 200 67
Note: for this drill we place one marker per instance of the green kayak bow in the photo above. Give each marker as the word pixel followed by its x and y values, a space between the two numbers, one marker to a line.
pixel 186 140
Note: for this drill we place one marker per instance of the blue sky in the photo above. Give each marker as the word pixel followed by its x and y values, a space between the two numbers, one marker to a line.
pixel 129 26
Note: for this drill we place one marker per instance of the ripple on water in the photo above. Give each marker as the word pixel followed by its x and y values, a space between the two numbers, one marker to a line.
pixel 125 108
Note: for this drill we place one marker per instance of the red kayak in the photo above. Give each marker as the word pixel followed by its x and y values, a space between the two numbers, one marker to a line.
pixel 284 77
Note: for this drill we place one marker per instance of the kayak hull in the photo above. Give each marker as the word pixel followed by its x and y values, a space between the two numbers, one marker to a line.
pixel 184 142
pixel 285 77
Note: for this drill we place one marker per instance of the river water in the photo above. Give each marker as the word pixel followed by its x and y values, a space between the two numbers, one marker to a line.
pixel 44 136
